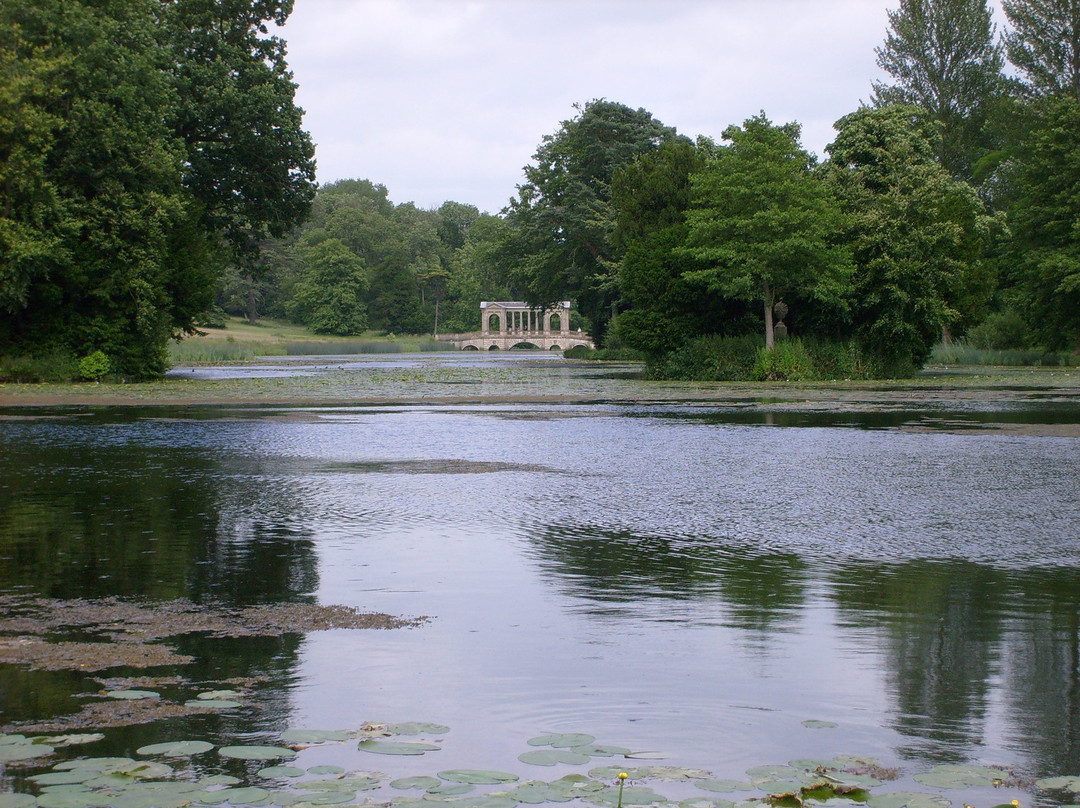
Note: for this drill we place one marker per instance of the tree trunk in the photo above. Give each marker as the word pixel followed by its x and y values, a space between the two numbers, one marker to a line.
pixel 436 318
pixel 252 312
pixel 770 337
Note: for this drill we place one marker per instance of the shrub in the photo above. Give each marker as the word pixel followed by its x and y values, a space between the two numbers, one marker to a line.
pixel 788 361
pixel 58 366
pixel 93 366
pixel 709 359
pixel 1001 330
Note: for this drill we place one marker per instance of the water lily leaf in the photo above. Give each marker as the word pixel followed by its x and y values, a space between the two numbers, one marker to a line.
pixel 421 781
pixel 235 796
pixel 358 783
pixel 648 755
pixel 71 740
pixel 907 799
pixel 176 748
pixel 256 752
pixel 779 787
pixel 417 728
pixel 761 774
pixel 563 740
pixel 955 776
pixel 326 769
pixel 814 764
pixel 133 695
pixel 310 736
pixel 551 757
pixel 600 750
pixel 220 780
pixel 217 695
pixel 62 777
pixel 396 747
pixel 95 764
pixel 814 723
pixel 483 801
pixel 1069 783
pixel 611 772
pixel 705 802
pixel 213 704
pixel 536 792
pixel 326 798
pixel 281 771
pixel 14 737
pixel 72 799
pixel 17 801
pixel 854 780
pixel 478 776
pixel 450 789
pixel 631 795
pixel 24 751
pixel 723 786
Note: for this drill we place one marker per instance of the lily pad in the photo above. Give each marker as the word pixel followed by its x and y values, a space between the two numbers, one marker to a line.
pixel 95 764
pixel 705 802
pixel 213 704
pixel 601 750
pixel 326 768
pixel 17 801
pixel 281 771
pixel 417 728
pixel 71 740
pixel 312 736
pixel 235 796
pixel 956 776
pixel 217 695
pixel 24 751
pixel 551 757
pixel 483 801
pixel 324 798
pixel 396 747
pixel 814 723
pixel 563 740
pixel 176 748
pixel 132 695
pixel 256 752
pixel 421 781
pixel 723 786
pixel 630 795
pixel 477 776
pixel 1068 783
pixel 762 774
pixel 62 777
pixel 907 799
pixel 450 789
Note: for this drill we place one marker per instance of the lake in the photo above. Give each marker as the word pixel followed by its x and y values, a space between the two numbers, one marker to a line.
pixel 721 584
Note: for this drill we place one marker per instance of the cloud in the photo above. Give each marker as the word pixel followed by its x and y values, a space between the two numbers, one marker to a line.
pixel 448 99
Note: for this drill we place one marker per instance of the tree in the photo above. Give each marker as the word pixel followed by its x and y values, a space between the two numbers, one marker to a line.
pixel 127 167
pixel 1045 245
pixel 1045 44
pixel 562 216
pixel 917 234
pixel 764 223
pixel 330 295
pixel 943 58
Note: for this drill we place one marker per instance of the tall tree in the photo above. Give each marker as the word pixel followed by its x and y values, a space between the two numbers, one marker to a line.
pixel 1045 250
pixel 764 222
pixel 125 178
pixel 1044 44
pixel 943 58
pixel 916 233
pixel 562 216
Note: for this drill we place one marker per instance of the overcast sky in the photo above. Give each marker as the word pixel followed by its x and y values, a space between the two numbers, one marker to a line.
pixel 448 99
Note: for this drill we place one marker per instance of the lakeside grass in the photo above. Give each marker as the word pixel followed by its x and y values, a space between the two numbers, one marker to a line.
pixel 242 341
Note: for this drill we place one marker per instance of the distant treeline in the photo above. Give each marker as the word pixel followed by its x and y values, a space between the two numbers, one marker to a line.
pixel 946 208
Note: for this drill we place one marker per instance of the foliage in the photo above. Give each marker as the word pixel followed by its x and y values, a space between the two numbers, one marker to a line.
pixel 1045 248
pixel 916 234
pixel 114 200
pixel 563 245
pixel 962 352
pixel 1044 44
pixel 1000 330
pixel 763 223
pixel 329 295
pixel 93 366
pixel 943 58
pixel 711 358
pixel 788 361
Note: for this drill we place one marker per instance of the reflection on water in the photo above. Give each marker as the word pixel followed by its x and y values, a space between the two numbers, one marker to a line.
pixel 661 577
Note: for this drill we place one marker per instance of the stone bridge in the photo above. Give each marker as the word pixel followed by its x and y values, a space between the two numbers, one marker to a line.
pixel 507 325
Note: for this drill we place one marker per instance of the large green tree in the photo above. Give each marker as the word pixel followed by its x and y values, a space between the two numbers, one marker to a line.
pixel 764 223
pixel 1044 253
pixel 562 215
pixel 114 212
pixel 942 56
pixel 917 234
pixel 1044 43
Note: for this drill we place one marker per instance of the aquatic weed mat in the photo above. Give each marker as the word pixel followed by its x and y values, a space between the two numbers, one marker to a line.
pixel 282 769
